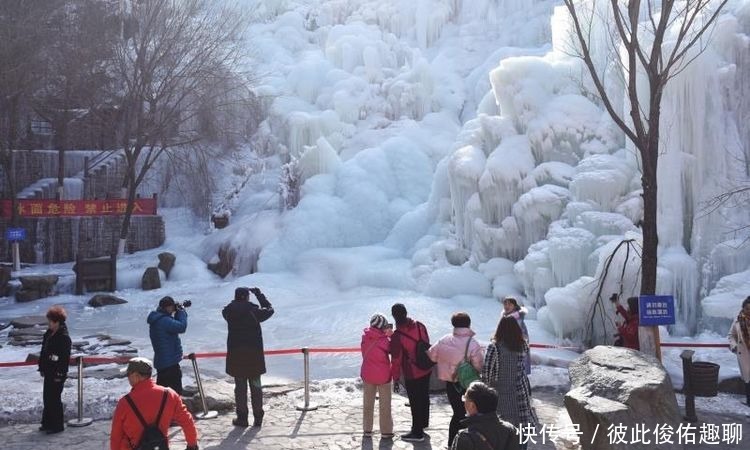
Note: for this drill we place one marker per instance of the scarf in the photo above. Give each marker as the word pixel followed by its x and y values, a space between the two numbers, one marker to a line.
pixel 744 322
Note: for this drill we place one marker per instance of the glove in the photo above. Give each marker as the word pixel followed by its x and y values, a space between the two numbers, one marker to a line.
pixel 192 447
pixel 396 387
pixel 261 297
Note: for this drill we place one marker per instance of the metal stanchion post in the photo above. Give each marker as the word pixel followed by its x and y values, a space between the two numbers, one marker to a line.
pixel 206 414
pixel 687 387
pixel 80 421
pixel 307 406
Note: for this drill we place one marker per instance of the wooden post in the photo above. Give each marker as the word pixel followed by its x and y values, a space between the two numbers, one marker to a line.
pixel 113 273
pixel 156 202
pixel 79 274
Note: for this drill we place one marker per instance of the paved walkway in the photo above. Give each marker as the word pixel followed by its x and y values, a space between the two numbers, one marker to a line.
pixel 336 425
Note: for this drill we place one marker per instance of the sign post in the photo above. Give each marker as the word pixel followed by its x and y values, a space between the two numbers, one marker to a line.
pixel 655 310
pixel 15 235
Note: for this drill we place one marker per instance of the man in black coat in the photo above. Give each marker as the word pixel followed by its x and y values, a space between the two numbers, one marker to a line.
pixel 53 366
pixel 484 430
pixel 245 360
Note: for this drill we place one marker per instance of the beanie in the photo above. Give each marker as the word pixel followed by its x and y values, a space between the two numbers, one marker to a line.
pixel 378 321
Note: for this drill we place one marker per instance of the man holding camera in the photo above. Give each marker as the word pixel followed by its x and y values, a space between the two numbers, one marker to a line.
pixel 245 359
pixel 166 324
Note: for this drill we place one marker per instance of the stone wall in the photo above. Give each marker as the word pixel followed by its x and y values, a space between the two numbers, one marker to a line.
pixel 58 239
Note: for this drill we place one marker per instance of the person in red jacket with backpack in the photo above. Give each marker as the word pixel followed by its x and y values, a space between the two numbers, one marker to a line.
pixel 151 401
pixel 405 343
pixel 628 329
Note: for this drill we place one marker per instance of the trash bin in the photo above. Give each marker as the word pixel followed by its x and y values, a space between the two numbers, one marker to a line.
pixel 705 382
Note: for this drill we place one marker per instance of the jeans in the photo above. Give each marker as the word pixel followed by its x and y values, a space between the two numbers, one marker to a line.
pixel 384 407
pixel 170 377
pixel 418 391
pixel 256 397
pixel 52 414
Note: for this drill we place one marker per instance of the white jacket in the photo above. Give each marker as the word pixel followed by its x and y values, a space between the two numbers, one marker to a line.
pixel 736 342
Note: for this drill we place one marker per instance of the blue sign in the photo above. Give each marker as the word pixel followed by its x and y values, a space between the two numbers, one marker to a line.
pixel 655 310
pixel 15 234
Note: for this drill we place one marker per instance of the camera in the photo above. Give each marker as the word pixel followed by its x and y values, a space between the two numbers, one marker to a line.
pixel 183 305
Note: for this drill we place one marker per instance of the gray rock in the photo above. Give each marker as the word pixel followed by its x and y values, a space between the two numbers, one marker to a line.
pixel 113 342
pixel 166 262
pixel 225 262
pixel 41 283
pixel 150 279
pixel 105 300
pixel 29 321
pixel 27 295
pixel 733 385
pixel 98 336
pixel 613 386
pixel 35 331
pixel 5 276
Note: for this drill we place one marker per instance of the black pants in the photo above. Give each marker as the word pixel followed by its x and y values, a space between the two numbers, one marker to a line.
pixel 52 414
pixel 455 392
pixel 747 393
pixel 256 397
pixel 170 377
pixel 418 391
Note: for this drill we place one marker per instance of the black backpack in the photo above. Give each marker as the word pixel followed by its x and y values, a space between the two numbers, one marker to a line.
pixel 422 360
pixel 152 437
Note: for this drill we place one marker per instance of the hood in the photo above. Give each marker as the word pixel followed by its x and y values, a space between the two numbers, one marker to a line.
pixel 153 315
pixel 372 333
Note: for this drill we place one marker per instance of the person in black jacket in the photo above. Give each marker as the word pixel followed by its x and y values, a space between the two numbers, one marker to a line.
pixel 53 366
pixel 484 430
pixel 245 360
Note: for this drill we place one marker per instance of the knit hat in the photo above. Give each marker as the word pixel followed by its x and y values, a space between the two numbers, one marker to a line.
pixel 378 321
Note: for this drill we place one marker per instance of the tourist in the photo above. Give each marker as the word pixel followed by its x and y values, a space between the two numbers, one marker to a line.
pixel 503 368
pixel 376 375
pixel 245 359
pixel 166 323
pixel 53 366
pixel 146 405
pixel 405 345
pixel 739 343
pixel 448 353
pixel 627 330
pixel 482 429
pixel 513 309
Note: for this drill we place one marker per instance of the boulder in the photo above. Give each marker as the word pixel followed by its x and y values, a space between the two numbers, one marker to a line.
pixel 5 275
pixel 26 295
pixel 613 386
pixel 733 385
pixel 34 287
pixel 223 263
pixel 29 321
pixel 104 300
pixel 150 279
pixel 166 262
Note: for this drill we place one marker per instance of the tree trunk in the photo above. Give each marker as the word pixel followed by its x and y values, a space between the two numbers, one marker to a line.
pixel 125 228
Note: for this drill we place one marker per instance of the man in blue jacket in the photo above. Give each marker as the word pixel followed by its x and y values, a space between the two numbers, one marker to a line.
pixel 165 326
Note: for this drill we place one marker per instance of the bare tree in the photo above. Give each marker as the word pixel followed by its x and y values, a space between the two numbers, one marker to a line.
pixel 170 64
pixel 655 41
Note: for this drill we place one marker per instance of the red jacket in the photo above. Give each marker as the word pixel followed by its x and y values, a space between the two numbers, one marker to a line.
pixel 147 396
pixel 376 362
pixel 629 329
pixel 404 350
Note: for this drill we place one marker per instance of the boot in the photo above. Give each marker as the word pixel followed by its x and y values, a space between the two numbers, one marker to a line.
pixel 258 420
pixel 240 421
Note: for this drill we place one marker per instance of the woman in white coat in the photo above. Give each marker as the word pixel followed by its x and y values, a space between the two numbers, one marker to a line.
pixel 739 343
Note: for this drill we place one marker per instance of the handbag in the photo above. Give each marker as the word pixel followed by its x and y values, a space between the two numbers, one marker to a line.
pixel 465 372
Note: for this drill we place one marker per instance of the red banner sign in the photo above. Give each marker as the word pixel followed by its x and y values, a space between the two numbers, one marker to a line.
pixel 69 208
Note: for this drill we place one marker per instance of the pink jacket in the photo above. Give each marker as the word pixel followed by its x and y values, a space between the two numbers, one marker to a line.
pixel 376 361
pixel 449 351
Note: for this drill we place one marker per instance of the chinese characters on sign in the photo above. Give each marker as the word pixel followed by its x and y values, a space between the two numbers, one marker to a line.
pixel 656 310
pixel 15 234
pixel 659 434
pixel 61 208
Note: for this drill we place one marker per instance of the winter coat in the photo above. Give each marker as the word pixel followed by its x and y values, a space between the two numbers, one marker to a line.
pixel 55 355
pixel 376 361
pixel 449 351
pixel 737 342
pixel 245 357
pixel 164 331
pixel 500 435
pixel 147 396
pixel 404 350
pixel 629 329
pixel 503 369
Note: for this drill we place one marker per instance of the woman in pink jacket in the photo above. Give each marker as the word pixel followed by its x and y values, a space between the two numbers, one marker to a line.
pixel 448 352
pixel 376 375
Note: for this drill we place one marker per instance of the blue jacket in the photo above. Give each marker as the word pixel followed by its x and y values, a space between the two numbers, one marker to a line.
pixel 164 331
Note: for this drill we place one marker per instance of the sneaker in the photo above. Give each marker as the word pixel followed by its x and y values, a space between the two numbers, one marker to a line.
pixel 367 434
pixel 412 437
pixel 387 436
pixel 240 423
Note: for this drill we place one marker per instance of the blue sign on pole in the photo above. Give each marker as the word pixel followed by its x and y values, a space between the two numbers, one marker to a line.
pixel 15 234
pixel 656 310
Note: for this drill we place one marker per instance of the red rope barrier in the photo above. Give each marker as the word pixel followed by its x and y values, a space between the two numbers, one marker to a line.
pixel 125 359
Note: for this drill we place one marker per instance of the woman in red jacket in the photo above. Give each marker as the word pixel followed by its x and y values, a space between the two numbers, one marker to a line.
pixel 376 375
pixel 628 329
